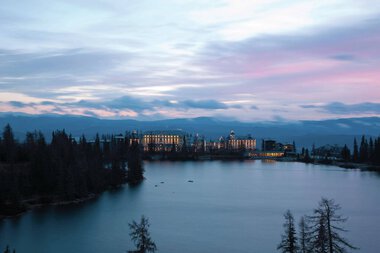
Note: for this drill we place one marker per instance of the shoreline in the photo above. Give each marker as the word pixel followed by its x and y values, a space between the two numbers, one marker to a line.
pixel 28 204
pixel 347 165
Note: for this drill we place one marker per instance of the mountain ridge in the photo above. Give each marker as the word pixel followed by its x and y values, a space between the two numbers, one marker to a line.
pixel 306 132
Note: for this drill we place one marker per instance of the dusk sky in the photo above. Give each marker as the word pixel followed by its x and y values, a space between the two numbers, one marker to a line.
pixel 247 60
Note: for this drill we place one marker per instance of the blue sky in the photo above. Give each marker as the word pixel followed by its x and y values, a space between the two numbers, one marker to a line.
pixel 247 60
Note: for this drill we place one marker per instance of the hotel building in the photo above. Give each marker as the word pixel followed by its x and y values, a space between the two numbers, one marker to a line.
pixel 234 142
pixel 162 141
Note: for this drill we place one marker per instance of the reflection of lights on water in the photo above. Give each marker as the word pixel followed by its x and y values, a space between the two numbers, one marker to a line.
pixel 267 154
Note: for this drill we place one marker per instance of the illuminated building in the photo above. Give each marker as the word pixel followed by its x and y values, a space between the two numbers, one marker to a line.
pixel 134 137
pixel 198 143
pixel 240 142
pixel 162 141
pixel 222 143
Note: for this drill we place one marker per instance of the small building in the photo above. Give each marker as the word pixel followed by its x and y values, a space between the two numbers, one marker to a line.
pixel 289 147
pixel 134 137
pixel 198 143
pixel 269 145
pixel 221 144
pixel 329 152
pixel 119 138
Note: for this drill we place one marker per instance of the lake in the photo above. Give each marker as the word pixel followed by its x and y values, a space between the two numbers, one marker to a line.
pixel 229 207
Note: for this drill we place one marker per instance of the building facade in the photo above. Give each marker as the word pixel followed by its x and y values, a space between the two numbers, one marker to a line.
pixel 162 141
pixel 240 142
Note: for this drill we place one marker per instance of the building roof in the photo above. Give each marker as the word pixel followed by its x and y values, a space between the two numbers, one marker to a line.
pixel 165 132
pixel 241 137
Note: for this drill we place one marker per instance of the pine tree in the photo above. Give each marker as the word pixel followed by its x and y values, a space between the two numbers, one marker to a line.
pixel 184 145
pixel 288 242
pixel 346 153
pixel 135 166
pixel 363 151
pixel 7 250
pixel 319 242
pixel 371 150
pixel 141 237
pixel 307 158
pixel 355 157
pixel 304 237
pixel 376 152
pixel 325 229
pixel 9 144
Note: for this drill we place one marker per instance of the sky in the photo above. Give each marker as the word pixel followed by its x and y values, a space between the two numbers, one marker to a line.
pixel 230 59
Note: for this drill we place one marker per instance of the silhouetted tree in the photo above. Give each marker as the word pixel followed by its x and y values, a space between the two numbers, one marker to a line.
pixel 319 236
pixel 288 242
pixel 346 154
pixel 141 237
pixel 371 150
pixel 184 145
pixel 7 250
pixel 307 158
pixel 135 166
pixel 376 152
pixel 355 156
pixel 325 232
pixel 8 145
pixel 363 151
pixel 304 237
pixel 60 170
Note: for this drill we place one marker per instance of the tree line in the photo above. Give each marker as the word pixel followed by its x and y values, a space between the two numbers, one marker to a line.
pixel 367 152
pixel 318 233
pixel 7 250
pixel 37 172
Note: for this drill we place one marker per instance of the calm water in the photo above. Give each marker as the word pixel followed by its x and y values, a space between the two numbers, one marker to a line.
pixel 230 207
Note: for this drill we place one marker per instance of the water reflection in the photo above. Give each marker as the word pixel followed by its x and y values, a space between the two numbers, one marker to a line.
pixel 228 201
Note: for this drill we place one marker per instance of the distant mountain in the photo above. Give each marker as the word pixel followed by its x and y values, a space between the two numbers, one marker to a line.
pixel 305 133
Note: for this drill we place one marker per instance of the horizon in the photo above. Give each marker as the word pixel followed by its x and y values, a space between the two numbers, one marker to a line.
pixel 232 60
pixel 222 119
pixel 305 133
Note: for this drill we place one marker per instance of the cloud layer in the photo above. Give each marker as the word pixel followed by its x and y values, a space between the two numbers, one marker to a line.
pixel 163 59
pixel 121 107
pixel 342 109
